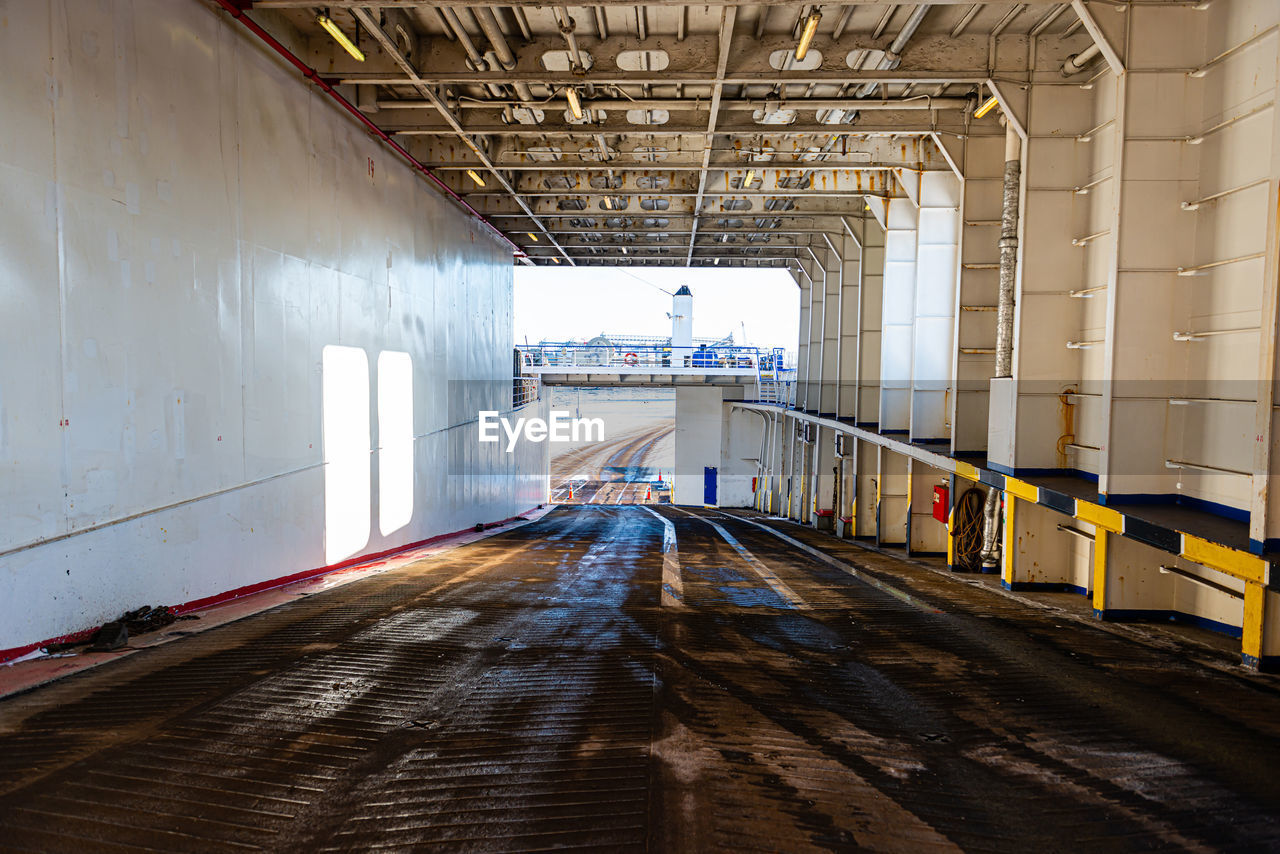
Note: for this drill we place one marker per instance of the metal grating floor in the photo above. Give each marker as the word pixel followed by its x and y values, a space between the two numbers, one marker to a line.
pixel 528 692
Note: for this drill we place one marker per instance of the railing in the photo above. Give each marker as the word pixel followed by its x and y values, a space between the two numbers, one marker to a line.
pixel 649 357
pixel 524 390
pixel 779 391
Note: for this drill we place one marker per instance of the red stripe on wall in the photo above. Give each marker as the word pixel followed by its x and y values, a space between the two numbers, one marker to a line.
pixel 250 589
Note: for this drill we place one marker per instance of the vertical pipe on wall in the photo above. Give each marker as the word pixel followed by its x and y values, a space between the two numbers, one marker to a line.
pixel 990 527
pixel 1004 315
pixel 1008 252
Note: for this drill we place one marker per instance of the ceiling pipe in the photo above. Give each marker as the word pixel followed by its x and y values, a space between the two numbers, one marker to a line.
pixel 892 58
pixel 1076 62
pixel 464 38
pixel 567 28
pixel 489 26
pixel 474 56
pixel 232 8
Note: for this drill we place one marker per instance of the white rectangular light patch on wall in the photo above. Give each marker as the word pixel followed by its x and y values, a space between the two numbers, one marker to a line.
pixel 395 440
pixel 347 445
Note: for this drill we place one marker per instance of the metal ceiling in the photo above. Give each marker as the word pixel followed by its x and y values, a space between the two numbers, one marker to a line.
pixel 681 105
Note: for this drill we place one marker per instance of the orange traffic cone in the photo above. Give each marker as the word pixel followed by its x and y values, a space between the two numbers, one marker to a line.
pixel 648 494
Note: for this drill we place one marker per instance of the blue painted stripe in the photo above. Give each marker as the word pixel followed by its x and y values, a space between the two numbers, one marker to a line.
pixel 1128 615
pixel 1046 587
pixel 1213 508
pixel 1032 471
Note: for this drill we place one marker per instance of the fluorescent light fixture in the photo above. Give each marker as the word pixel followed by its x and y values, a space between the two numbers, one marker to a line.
pixel 475 176
pixel 987 106
pixel 751 176
pixel 575 105
pixel 340 37
pixel 532 236
pixel 806 37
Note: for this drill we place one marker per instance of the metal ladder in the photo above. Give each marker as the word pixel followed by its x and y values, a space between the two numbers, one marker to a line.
pixel 769 387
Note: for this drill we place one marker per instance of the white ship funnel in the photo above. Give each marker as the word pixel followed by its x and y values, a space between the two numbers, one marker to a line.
pixel 682 327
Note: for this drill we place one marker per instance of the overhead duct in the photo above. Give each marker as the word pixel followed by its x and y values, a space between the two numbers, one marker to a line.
pixel 892 58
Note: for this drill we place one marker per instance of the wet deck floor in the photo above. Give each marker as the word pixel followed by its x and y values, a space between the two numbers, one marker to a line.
pixel 566 684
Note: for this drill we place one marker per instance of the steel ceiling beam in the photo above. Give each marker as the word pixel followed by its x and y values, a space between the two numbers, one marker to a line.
pixel 667 166
pixel 610 4
pixel 618 129
pixel 788 232
pixel 237 13
pixel 743 215
pixel 705 77
pixel 393 50
pixel 914 102
pixel 851 193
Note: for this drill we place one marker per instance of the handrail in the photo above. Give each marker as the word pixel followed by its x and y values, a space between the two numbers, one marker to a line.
pixel 1086 293
pixel 1192 271
pixel 1089 238
pixel 1185 464
pixel 1165 569
pixel 1084 535
pixel 1083 189
pixel 1200 336
pixel 1229 52
pixel 1196 203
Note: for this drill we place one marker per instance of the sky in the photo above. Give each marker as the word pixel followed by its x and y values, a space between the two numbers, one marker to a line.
pixel 575 304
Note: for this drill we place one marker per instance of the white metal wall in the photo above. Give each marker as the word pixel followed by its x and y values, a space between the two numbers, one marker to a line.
pixel 186 226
